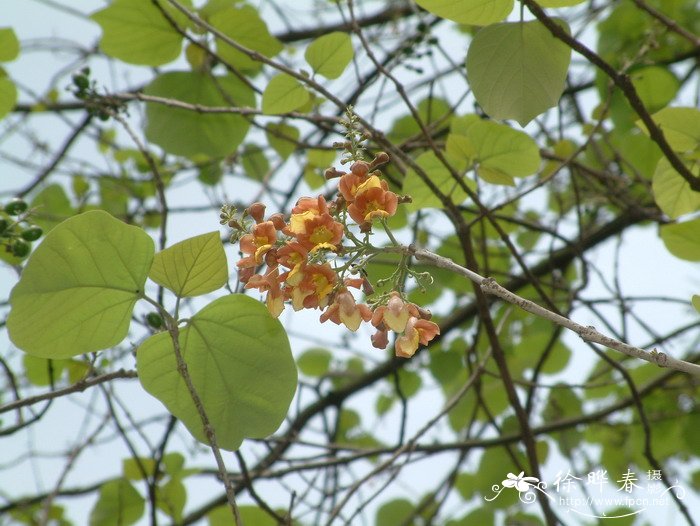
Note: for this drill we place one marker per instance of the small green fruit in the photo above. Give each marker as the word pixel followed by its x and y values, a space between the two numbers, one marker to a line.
pixel 154 320
pixel 20 248
pixel 16 207
pixel 31 233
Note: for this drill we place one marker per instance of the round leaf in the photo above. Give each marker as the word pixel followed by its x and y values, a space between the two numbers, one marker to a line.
pixel 673 193
pixel 137 32
pixel 119 505
pixel 517 70
pixel 188 133
pixel 245 27
pixel 314 362
pixel 9 45
pixel 681 127
pixel 473 12
pixel 683 239
pixel 330 54
pixel 79 287
pixel 559 3
pixel 240 363
pixel 8 95
pixel 192 267
pixel 421 194
pixel 283 94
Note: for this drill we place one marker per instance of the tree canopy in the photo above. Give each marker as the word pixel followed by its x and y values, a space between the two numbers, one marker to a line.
pixel 350 262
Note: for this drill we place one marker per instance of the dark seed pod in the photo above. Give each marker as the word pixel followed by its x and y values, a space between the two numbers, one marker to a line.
pixel 31 233
pixel 16 207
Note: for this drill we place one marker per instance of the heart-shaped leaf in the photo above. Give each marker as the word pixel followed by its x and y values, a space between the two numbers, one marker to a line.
pixel 240 364
pixel 79 287
pixel 191 267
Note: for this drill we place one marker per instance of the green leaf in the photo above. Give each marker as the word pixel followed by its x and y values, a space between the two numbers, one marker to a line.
pixel 214 135
pixel 244 26
pixel 171 498
pixel 240 363
pixel 192 267
pixel 254 162
pixel 252 515
pixel 409 383
pixel 431 110
pixel 282 138
pixel 330 54
pixel 673 193
pixel 517 70
pixel 41 371
pixel 500 151
pixel 559 3
pixel 696 302
pixel 394 512
pixel 79 287
pixel 52 207
pixel 421 194
pixel 119 504
pixel 283 94
pixel 138 469
pixel 9 45
pixel 137 32
pixel 473 12
pixel 8 95
pixel 683 239
pixel 317 161
pixel 680 126
pixel 314 362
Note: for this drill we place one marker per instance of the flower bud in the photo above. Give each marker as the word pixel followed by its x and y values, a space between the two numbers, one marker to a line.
pixel 256 211
pixel 380 159
pixel 359 168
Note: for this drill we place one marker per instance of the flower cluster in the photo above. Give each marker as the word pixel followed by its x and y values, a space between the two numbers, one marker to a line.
pixel 304 259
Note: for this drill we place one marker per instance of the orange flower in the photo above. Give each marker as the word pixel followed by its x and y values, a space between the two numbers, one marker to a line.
pixel 395 313
pixel 314 287
pixel 344 310
pixel 257 243
pixel 320 231
pixel 306 208
pixel 269 283
pixel 293 256
pixel 417 332
pixel 373 199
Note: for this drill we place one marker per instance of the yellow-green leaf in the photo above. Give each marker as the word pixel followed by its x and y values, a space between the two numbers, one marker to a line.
pixel 282 138
pixel 244 26
pixel 680 126
pixel 191 267
pixel 696 302
pixel 517 70
pixel 79 287
pixel 137 32
pixel 473 12
pixel 559 3
pixel 240 363
pixel 119 504
pixel 330 54
pixel 283 94
pixel 673 193
pixel 683 239
pixel 8 95
pixel 188 133
pixel 500 151
pixel 421 194
pixel 9 45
